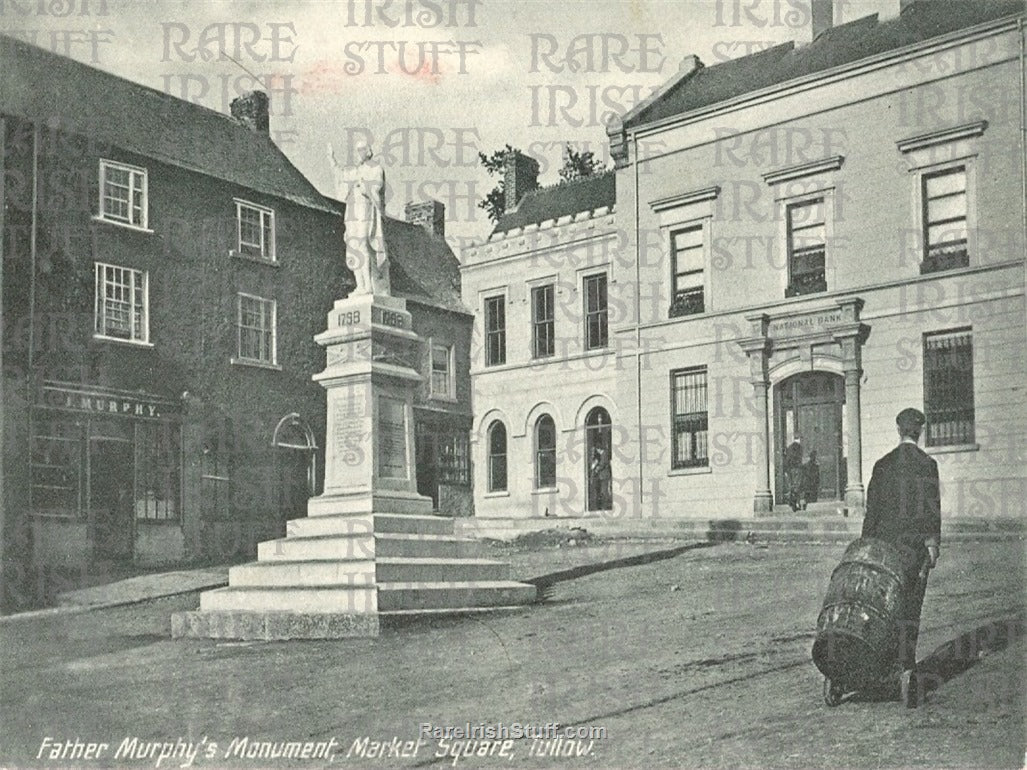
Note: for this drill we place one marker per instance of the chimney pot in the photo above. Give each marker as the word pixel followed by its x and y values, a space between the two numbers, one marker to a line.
pixel 251 109
pixel 519 178
pixel 430 214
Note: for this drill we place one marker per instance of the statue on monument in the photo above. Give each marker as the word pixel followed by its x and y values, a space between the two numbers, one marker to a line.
pixel 362 189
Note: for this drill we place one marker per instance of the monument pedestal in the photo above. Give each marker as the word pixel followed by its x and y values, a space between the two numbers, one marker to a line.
pixel 370 548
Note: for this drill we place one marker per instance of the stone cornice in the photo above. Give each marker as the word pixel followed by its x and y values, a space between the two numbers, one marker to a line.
pixel 943 136
pixel 685 199
pixel 804 169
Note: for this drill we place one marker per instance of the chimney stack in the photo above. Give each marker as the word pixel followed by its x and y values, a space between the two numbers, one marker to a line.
pixel 430 214
pixel 519 177
pixel 251 109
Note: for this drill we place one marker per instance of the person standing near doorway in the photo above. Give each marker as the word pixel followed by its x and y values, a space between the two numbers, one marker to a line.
pixel 793 474
pixel 904 508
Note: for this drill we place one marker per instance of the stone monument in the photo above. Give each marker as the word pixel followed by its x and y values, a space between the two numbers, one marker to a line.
pixel 370 548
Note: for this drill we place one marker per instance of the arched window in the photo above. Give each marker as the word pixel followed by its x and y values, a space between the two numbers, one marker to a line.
pixel 545 452
pixel 497 457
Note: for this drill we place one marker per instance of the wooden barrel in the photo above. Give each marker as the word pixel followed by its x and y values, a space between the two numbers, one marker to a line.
pixel 857 631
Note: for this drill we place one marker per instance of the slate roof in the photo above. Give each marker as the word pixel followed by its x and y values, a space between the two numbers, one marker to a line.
pixel 422 266
pixel 61 92
pixel 835 46
pixel 545 203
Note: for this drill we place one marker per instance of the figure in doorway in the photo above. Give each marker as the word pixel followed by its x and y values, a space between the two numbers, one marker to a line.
pixel 599 477
pixel 811 479
pixel 794 474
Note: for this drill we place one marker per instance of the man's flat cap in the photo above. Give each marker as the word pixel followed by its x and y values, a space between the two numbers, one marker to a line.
pixel 911 417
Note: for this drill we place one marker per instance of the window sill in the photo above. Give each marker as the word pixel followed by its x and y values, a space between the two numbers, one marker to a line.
pixel 545 491
pixel 504 493
pixel 255 364
pixel 125 225
pixel 157 522
pixel 952 449
pixel 122 341
pixel 697 470
pixel 237 254
pixel 444 399
pixel 69 517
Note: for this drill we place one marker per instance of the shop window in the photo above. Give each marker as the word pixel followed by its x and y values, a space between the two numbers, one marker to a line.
pixel 497 457
pixel 949 388
pixel 453 458
pixel 596 312
pixel 158 471
pixel 122 301
pixel 545 453
pixel 690 418
pixel 255 231
pixel 56 465
pixel 123 194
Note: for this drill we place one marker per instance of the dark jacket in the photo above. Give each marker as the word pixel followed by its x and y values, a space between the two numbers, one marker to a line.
pixel 904 499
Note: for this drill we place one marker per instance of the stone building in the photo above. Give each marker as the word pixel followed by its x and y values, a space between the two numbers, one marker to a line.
pixel 805 240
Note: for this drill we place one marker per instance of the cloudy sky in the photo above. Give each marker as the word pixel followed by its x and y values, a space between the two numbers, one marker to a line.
pixel 428 82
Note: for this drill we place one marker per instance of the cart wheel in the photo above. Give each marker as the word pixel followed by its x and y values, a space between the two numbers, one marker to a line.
pixel 832 692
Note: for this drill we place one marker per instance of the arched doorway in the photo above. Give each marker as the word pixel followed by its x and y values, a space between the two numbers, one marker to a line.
pixel 295 469
pixel 809 407
pixel 598 476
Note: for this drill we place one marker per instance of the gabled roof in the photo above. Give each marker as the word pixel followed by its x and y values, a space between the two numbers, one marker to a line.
pixel 62 93
pixel 583 194
pixel 835 46
pixel 422 266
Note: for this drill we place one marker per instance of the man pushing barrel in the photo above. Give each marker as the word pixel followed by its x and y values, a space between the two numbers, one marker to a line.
pixel 904 508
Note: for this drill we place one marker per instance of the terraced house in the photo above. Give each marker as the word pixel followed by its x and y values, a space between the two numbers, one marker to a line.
pixel 165 271
pixel 806 240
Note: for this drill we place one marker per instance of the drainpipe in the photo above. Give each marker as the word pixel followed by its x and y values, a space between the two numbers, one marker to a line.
pixel 638 335
pixel 3 502
pixel 1023 147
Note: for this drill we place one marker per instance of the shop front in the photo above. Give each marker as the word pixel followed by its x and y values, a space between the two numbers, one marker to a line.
pixel 106 477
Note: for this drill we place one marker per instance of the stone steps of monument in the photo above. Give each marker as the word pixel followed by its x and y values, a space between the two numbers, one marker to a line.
pixel 273 625
pixel 364 523
pixel 400 595
pixel 315 599
pixel 368 546
pixel 359 572
pixel 452 595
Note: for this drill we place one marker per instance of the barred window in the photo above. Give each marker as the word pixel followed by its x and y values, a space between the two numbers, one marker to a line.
pixel 256 230
pixel 688 262
pixel 807 246
pixel 596 312
pixel 121 303
pixel 945 219
pixel 690 419
pixel 256 324
pixel 949 388
pixel 497 457
pixel 158 454
pixel 545 453
pixel 123 193
pixel 543 343
pixel 495 331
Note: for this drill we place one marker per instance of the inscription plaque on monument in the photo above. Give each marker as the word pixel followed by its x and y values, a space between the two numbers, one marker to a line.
pixel 392 438
pixel 349 415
